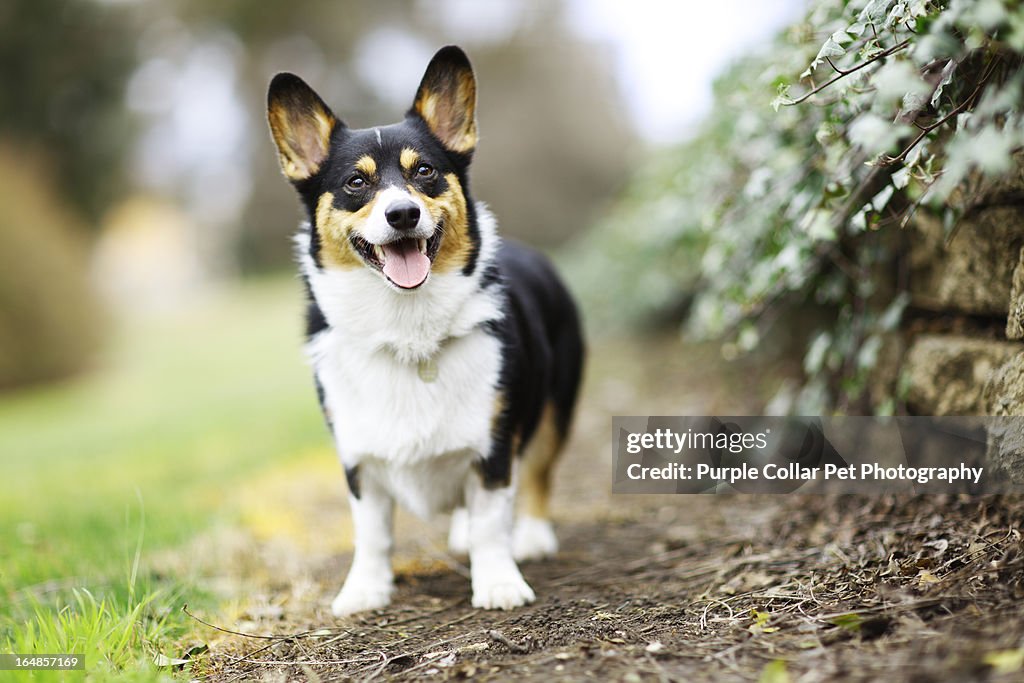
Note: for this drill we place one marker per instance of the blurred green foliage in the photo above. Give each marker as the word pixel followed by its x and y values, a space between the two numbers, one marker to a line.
pixel 797 206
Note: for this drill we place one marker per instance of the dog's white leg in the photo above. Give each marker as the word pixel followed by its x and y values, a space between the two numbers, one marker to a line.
pixel 370 581
pixel 497 582
pixel 458 532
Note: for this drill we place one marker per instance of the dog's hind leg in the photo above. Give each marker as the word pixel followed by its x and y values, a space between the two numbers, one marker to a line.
pixel 458 532
pixel 534 537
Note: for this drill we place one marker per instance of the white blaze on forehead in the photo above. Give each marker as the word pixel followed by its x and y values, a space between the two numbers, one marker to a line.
pixel 379 141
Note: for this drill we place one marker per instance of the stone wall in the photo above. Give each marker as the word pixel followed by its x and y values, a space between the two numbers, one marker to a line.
pixel 971 280
pixel 968 284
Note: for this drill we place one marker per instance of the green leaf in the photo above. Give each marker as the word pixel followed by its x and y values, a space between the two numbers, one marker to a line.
pixel 988 14
pixel 993 150
pixel 780 101
pixel 774 672
pixel 833 46
pixel 881 200
pixel 873 134
pixel 814 361
pixel 897 79
pixel 818 226
pixel 918 8
pixel 874 12
pixel 1005 661
pixel 760 624
pixel 847 622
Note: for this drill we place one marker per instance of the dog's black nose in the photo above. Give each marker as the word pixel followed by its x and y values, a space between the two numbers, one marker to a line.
pixel 403 215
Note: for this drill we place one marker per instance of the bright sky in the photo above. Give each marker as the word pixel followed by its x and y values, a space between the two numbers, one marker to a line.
pixel 668 52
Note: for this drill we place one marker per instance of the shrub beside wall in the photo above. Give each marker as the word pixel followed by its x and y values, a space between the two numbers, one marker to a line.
pixel 859 186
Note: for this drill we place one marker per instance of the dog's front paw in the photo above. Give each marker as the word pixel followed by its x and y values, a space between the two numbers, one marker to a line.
pixel 359 596
pixel 502 593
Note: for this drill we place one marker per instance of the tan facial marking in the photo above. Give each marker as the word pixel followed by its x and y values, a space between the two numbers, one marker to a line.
pixel 408 158
pixel 334 226
pixel 367 165
pixel 449 209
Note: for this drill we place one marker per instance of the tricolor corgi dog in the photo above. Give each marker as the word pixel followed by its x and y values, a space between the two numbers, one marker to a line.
pixel 447 362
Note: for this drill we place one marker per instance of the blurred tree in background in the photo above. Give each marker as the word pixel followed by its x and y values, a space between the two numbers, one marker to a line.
pixel 63 65
pixel 49 323
pixel 64 132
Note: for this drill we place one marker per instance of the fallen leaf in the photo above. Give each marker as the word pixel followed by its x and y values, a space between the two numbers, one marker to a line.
pixel 1005 661
pixel 774 672
pixel 165 661
pixel 848 622
pixel 760 624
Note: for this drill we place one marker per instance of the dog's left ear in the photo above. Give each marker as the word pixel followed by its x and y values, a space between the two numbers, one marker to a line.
pixel 446 100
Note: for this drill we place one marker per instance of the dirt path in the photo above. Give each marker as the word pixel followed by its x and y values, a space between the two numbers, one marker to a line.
pixel 655 587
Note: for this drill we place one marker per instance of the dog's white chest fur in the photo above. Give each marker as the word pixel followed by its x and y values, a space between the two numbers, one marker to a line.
pixel 415 437
pixel 385 408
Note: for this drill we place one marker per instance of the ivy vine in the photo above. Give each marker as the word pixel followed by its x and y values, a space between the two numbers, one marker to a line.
pixel 882 109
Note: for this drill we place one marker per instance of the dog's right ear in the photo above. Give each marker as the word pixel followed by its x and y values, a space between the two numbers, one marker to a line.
pixel 301 125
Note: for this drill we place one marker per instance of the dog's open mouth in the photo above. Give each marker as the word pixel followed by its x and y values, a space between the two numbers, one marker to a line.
pixel 405 262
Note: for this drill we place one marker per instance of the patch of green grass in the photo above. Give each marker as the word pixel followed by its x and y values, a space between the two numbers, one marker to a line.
pixel 115 638
pixel 183 409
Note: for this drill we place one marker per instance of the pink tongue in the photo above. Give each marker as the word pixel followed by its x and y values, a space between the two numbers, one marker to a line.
pixel 404 263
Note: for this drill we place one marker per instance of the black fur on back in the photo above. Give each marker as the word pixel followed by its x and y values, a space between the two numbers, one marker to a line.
pixel 542 354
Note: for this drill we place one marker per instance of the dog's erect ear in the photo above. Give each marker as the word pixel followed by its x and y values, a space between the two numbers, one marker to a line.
pixel 446 100
pixel 301 125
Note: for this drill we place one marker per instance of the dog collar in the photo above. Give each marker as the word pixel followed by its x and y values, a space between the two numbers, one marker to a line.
pixel 427 367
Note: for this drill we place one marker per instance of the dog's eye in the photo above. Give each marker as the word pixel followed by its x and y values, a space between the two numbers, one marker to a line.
pixel 424 170
pixel 356 182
